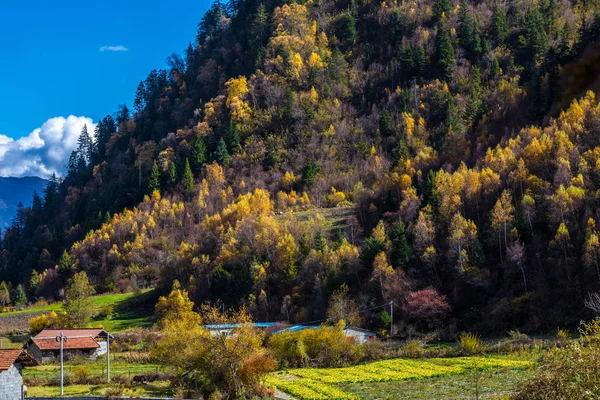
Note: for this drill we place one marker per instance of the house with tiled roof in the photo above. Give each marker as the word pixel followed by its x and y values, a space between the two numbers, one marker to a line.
pixel 83 342
pixel 11 381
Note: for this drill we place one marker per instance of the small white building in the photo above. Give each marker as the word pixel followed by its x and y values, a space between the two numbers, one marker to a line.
pixel 359 335
pixel 11 381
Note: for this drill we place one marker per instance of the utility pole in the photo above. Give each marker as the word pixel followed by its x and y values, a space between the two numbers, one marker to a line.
pixel 391 318
pixel 61 339
pixel 107 357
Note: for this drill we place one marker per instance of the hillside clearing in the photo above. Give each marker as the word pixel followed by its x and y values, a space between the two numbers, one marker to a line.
pixel 129 310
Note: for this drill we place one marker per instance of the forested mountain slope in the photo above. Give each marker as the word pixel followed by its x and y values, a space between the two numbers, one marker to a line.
pixel 440 121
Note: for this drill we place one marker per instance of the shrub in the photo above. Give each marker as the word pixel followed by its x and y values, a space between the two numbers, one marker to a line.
pixel 326 346
pixel 106 311
pixel 470 343
pixel 412 349
pixel 80 375
pixel 68 379
pixel 571 372
pixel 562 337
pixel 116 390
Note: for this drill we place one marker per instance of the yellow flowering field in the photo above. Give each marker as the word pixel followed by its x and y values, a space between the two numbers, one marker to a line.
pixel 321 383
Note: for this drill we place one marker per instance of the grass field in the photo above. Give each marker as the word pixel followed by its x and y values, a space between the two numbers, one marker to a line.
pixel 156 389
pixel 130 310
pixel 39 379
pixel 402 378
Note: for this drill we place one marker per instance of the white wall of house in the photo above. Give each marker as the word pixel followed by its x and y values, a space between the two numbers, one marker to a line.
pixel 102 349
pixel 11 383
pixel 359 336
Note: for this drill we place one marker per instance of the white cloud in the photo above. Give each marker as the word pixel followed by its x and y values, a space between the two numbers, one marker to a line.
pixel 45 150
pixel 114 48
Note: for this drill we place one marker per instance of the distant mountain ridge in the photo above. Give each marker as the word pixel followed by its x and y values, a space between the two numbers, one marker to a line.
pixel 15 190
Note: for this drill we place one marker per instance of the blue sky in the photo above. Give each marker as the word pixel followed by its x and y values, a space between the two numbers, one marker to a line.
pixel 52 65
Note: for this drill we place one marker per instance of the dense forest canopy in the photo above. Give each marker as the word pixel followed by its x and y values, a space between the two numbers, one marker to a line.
pixel 463 136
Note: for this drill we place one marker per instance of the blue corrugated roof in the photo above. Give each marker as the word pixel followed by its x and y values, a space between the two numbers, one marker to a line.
pixel 233 326
pixel 297 328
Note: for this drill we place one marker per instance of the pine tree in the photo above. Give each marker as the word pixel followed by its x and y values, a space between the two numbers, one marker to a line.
pixel 401 152
pixel 84 147
pixel 221 154
pixel 259 29
pixel 420 62
pixel 535 33
pixel 309 172
pixel 401 251
pixel 139 103
pixel 72 166
pixel 34 283
pixel 64 264
pixel 495 68
pixel 288 106
pixel 407 62
pixel 320 242
pixel 154 182
pixel 348 30
pixel 197 154
pixel 20 297
pixel 441 8
pixel 78 304
pixel 271 156
pixel 468 33
pixel 499 28
pixel 304 244
pixel 474 102
pixel 172 174
pixel 444 53
pixel 188 178
pixel 386 125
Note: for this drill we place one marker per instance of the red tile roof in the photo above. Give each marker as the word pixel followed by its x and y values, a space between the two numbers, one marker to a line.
pixel 9 357
pixel 72 343
pixel 92 332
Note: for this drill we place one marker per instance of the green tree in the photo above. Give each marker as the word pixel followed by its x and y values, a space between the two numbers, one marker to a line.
pixel 309 172
pixel 320 242
pixel 386 125
pixel 172 174
pixel 154 182
pixel 34 283
pixel 64 264
pixel 444 53
pixel 78 303
pixel 407 62
pixel 468 32
pixel 188 178
pixel 499 28
pixel 348 29
pixel 401 251
pixel 221 154
pixel 420 61
pixel 20 297
pixel 535 35
pixel 197 154
pixel 475 101
pixel 441 8
pixel 271 156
